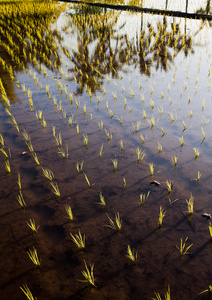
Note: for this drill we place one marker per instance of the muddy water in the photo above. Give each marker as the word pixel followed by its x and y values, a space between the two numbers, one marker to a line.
pixel 125 84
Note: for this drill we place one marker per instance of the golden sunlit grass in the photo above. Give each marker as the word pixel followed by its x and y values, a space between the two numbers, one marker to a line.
pixel 131 255
pixel 115 225
pixel 33 255
pixel 78 240
pixel 88 275
pixel 161 216
pixel 27 292
pixel 183 249
pixel 32 225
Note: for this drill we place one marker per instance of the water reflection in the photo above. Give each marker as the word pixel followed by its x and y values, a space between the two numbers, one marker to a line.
pixel 26 37
pixel 104 47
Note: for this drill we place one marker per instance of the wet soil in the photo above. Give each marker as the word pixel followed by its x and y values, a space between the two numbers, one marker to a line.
pixel 159 263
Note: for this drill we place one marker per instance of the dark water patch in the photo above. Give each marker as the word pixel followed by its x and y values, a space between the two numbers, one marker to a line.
pixel 54 232
pixel 45 211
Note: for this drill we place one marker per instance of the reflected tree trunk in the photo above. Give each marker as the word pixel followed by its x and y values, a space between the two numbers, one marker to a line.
pixel 208 7
pixel 186 6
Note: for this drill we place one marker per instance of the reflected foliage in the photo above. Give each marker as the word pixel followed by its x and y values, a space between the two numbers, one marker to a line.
pixel 104 47
pixel 26 37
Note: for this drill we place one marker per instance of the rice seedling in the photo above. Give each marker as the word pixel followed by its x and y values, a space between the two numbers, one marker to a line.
pixel 111 113
pixel 102 200
pixel 36 158
pixel 161 216
pixel 70 121
pixel 100 124
pixel 58 140
pixel 144 198
pixel 174 160
pixel 198 176
pixel 162 95
pixel 125 183
pixel 136 127
pixel 190 204
pixel 19 181
pixel 101 151
pixel 144 114
pixel 48 174
pixel 196 152
pixel 77 104
pixel 151 168
pixel 27 292
pixel 207 290
pixel 152 104
pixel 118 223
pixel 79 166
pixel 1 140
pixel 190 114
pixel 140 154
pixel 167 295
pixel 131 255
pixel 33 255
pixel 142 138
pixel 169 185
pixel 152 122
pixel 55 189
pixel 88 275
pixel 163 131
pixel 203 132
pixel 69 212
pixel 160 109
pixel 84 110
pixel 160 148
pixel 14 123
pixel 26 137
pixel 210 229
pixel 184 125
pixel 7 166
pixel 183 249
pixel 108 134
pixel 120 120
pixel 5 153
pixel 63 153
pixel 85 140
pixel 87 180
pixel 203 104
pixel 20 199
pixel 114 96
pixel 181 141
pixel 44 123
pixel 78 240
pixel 172 117
pixel 39 114
pixel 78 129
pixel 32 225
pixel 115 164
pixel 132 94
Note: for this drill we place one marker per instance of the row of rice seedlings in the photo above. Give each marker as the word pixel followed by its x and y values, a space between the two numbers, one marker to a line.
pixel 86 268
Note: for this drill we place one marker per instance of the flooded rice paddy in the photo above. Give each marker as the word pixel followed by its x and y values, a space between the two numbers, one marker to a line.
pixel 105 122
